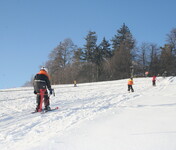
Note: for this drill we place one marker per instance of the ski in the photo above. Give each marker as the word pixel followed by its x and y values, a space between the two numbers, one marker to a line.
pixel 52 109
pixel 45 111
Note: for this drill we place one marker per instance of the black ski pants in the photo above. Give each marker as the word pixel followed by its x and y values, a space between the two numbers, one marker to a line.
pixel 130 87
pixel 154 82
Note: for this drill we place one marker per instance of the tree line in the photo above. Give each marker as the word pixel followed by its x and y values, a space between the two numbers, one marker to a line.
pixel 113 59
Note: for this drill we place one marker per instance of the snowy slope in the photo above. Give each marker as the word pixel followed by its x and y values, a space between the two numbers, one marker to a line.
pixel 92 116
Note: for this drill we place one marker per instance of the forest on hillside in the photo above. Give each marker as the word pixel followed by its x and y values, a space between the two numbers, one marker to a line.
pixel 117 58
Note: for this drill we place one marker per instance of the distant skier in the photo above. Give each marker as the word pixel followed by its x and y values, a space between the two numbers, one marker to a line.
pixel 130 85
pixel 41 81
pixel 154 80
pixel 164 74
pixel 74 82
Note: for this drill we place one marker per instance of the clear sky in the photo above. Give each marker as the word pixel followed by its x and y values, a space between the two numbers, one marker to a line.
pixel 31 29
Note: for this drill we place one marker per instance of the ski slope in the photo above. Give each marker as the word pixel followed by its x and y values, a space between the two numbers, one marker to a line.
pixel 92 116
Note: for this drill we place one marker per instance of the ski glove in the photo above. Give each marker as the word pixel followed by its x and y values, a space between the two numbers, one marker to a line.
pixel 51 91
pixel 35 92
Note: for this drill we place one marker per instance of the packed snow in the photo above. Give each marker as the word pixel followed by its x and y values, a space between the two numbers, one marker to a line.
pixel 92 116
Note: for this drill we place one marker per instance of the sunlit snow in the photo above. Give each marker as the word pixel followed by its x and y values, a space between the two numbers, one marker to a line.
pixel 92 116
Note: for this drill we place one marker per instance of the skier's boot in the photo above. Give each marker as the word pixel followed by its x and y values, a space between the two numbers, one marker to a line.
pixel 37 108
pixel 47 108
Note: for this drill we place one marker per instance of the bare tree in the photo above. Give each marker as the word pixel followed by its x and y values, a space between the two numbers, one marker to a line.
pixel 171 39
pixel 143 58
pixel 60 60
pixel 154 59
pixel 167 60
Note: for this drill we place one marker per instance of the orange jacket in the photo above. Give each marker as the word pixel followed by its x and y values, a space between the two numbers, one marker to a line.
pixel 130 82
pixel 42 76
pixel 44 72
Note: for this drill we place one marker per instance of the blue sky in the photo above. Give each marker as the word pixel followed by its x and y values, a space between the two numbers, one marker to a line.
pixel 31 29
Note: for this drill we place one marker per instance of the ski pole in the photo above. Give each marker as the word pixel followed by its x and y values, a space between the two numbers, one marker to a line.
pixel 53 92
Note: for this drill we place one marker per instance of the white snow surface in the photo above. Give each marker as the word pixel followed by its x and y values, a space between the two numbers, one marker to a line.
pixel 92 116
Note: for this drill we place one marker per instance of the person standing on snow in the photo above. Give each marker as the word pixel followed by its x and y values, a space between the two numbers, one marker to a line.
pixel 74 82
pixel 154 80
pixel 130 85
pixel 41 81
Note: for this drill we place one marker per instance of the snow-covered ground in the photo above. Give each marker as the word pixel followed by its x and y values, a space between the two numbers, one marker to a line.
pixel 92 116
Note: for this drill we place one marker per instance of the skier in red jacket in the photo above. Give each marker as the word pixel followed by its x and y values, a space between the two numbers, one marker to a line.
pixel 154 80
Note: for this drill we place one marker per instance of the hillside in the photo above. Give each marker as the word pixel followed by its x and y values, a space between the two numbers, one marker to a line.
pixel 92 116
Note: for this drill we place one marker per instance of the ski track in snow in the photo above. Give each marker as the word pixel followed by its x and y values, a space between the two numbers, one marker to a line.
pixel 76 104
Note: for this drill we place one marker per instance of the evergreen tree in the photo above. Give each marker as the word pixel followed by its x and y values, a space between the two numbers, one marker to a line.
pixel 77 65
pixel 105 48
pixel 123 36
pixel 105 54
pixel 90 46
pixel 88 54
pixel 123 46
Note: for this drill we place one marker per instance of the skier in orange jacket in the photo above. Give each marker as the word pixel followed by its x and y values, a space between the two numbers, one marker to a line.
pixel 130 85
pixel 41 81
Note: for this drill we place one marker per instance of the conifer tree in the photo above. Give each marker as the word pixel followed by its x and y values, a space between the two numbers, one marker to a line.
pixel 123 45
pixel 123 36
pixel 89 52
pixel 105 48
pixel 90 46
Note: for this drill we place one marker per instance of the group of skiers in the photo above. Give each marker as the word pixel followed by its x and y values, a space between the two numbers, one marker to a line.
pixel 130 83
pixel 42 81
